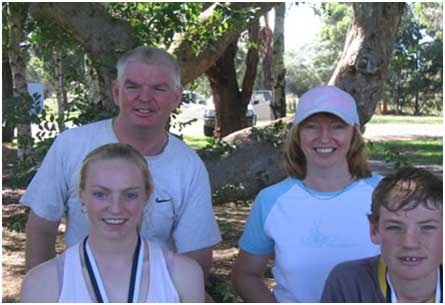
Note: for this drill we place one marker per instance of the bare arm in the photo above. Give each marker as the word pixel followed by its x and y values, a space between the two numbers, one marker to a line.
pixel 248 278
pixel 189 279
pixel 40 240
pixel 40 284
pixel 203 257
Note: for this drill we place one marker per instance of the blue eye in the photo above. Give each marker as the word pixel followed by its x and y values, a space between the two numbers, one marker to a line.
pixel 393 228
pixel 310 126
pixel 160 89
pixel 132 195
pixel 338 126
pixel 427 228
pixel 100 195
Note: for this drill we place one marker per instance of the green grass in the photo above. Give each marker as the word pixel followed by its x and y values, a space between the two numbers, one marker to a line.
pixel 419 152
pixel 196 142
pixel 397 119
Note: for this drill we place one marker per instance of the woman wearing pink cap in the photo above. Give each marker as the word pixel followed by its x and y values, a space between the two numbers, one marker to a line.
pixel 316 217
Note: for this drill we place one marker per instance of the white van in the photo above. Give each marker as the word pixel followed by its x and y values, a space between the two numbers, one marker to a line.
pixel 260 101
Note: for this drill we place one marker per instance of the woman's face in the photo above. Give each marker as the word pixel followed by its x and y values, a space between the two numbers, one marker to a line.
pixel 325 141
pixel 115 197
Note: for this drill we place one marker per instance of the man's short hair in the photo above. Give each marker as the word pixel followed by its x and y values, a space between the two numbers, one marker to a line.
pixel 406 189
pixel 149 56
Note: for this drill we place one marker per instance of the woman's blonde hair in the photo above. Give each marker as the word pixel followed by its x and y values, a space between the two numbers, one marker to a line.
pixel 115 151
pixel 295 161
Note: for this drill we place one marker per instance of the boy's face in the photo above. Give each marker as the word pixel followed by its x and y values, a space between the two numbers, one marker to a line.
pixel 410 242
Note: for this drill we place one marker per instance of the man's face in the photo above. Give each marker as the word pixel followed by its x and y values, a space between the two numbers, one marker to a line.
pixel 146 95
pixel 410 242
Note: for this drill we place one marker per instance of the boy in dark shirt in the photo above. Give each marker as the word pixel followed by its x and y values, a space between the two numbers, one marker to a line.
pixel 406 221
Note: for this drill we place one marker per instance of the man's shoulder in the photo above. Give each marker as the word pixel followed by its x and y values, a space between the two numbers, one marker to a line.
pixel 83 134
pixel 178 148
pixel 90 127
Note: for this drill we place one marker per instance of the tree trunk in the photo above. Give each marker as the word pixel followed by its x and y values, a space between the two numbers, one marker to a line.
pixel 91 81
pixel 256 161
pixel 16 15
pixel 59 88
pixel 278 104
pixel 106 38
pixel 254 164
pixel 225 92
pixel 266 43
pixel 367 53
pixel 7 91
pixel 230 102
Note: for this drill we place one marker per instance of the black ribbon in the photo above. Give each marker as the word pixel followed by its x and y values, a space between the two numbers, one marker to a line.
pixel 134 268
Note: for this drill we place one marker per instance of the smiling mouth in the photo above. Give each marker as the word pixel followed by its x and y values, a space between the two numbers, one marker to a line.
pixel 144 111
pixel 325 150
pixel 114 221
pixel 411 260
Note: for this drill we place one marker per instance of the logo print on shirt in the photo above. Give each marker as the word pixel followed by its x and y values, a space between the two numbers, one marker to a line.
pixel 159 200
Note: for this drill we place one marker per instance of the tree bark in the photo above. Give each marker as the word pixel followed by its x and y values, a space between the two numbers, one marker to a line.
pixel 256 162
pixel 230 102
pixel 59 88
pixel 105 38
pixel 7 91
pixel 367 53
pixel 266 44
pixel 16 14
pixel 193 65
pixel 278 104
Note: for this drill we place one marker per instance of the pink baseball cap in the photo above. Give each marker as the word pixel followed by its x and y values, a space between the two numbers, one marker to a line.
pixel 327 99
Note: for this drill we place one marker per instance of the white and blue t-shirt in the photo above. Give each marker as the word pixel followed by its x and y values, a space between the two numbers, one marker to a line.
pixel 309 232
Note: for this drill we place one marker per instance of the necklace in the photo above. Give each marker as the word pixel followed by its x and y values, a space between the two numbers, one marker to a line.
pixel 96 280
pixel 326 195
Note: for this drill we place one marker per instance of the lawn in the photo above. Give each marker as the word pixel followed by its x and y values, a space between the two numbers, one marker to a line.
pixel 401 119
pixel 419 152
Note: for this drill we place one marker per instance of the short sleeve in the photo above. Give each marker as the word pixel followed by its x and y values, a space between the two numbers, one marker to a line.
pixel 47 192
pixel 196 226
pixel 254 238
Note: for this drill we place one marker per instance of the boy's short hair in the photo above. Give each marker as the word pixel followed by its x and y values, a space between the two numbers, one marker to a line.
pixel 405 190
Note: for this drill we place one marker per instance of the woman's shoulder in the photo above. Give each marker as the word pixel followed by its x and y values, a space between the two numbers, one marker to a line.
pixel 41 283
pixel 188 279
pixel 278 189
pixel 186 265
pixel 372 180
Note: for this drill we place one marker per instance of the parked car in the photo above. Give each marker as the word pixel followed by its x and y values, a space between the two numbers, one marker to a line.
pixel 260 101
pixel 192 97
pixel 209 117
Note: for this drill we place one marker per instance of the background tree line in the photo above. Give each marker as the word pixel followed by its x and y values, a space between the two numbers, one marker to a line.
pixel 75 48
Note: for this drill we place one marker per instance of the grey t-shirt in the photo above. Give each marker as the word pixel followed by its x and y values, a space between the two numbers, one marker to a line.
pixel 179 215
pixel 354 282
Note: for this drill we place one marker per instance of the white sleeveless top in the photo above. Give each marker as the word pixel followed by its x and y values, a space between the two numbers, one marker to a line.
pixel 161 288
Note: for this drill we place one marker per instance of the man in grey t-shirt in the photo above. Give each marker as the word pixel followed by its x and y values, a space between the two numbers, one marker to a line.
pixel 179 215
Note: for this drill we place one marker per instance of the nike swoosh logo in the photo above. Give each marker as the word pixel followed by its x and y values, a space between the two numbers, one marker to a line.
pixel 157 200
